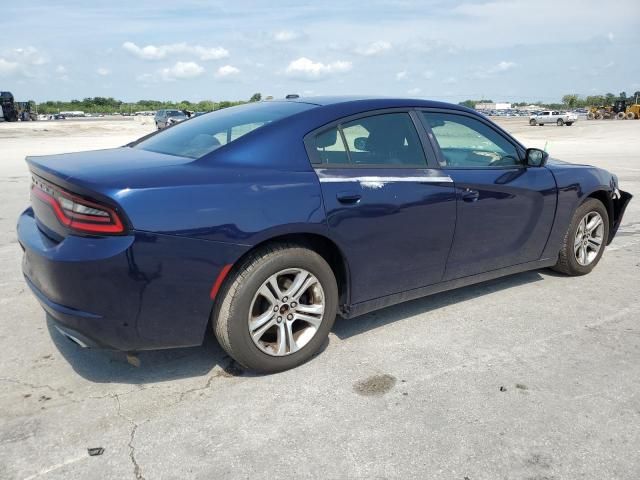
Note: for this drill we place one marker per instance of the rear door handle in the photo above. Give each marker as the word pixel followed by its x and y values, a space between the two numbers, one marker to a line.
pixel 348 198
pixel 470 195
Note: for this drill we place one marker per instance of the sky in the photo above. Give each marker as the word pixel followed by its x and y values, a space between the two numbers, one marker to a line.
pixel 504 50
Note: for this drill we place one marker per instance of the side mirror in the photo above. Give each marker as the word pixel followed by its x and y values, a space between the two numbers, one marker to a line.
pixel 536 157
pixel 361 143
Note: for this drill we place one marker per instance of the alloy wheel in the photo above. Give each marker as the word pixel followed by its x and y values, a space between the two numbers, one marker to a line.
pixel 589 237
pixel 286 312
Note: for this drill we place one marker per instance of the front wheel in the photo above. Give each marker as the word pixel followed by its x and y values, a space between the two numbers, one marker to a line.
pixel 277 309
pixel 560 122
pixel 585 239
pixel 568 124
pixel 532 122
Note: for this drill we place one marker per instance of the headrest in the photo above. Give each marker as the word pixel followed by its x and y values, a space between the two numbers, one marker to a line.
pixel 326 139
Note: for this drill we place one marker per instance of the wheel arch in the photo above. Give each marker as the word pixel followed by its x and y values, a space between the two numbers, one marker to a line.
pixel 322 245
pixel 605 198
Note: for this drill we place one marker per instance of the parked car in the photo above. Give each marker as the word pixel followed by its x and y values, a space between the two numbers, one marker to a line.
pixel 264 221
pixel 166 118
pixel 553 116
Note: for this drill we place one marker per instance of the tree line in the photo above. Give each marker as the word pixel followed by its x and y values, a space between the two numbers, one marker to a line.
pixel 571 100
pixel 109 105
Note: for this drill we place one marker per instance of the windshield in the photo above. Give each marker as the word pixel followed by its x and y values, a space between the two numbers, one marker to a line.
pixel 204 134
pixel 175 113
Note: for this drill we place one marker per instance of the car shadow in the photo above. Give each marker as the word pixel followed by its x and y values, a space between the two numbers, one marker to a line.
pixel 346 328
pixel 106 366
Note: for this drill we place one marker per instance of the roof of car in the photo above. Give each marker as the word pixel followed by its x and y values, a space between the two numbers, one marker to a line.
pixel 374 102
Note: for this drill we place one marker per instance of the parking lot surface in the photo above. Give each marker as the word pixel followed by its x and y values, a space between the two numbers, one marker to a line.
pixel 533 376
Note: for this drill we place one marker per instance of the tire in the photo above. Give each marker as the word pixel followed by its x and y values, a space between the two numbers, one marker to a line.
pixel 599 116
pixel 560 122
pixel 240 296
pixel 532 122
pixel 630 116
pixel 541 124
pixel 568 262
pixel 590 116
pixel 568 124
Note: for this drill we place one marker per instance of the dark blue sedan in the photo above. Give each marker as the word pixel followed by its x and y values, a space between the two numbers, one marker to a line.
pixel 266 220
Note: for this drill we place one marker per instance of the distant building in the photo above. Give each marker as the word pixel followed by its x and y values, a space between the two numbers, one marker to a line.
pixel 492 106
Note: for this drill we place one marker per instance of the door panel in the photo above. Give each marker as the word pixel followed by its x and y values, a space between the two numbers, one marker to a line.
pixel 504 218
pixel 395 226
pixel 505 210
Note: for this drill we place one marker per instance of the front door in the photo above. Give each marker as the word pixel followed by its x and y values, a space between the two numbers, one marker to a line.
pixel 505 210
pixel 390 213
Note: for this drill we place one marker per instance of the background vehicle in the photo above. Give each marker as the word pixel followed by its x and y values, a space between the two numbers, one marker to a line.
pixel 166 118
pixel 263 221
pixel 8 111
pixel 621 109
pixel 26 111
pixel 553 116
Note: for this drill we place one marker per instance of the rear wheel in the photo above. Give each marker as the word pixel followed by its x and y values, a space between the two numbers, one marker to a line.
pixel 278 309
pixel 630 116
pixel 585 239
pixel 620 115
pixel 560 122
pixel 590 116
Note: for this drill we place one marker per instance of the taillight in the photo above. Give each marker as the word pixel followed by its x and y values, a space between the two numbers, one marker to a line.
pixel 77 213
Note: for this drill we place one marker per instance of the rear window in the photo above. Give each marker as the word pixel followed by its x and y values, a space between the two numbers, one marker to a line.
pixel 204 134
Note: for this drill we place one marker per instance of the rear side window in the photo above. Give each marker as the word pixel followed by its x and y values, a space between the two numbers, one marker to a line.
pixel 201 135
pixel 388 139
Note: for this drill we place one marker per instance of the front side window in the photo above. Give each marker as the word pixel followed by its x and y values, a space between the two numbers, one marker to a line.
pixel 388 139
pixel 204 134
pixel 469 143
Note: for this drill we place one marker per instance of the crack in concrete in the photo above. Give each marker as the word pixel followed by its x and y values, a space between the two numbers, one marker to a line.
pixel 60 390
pixel 137 470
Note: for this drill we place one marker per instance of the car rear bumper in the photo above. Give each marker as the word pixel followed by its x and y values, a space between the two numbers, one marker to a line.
pixel 134 292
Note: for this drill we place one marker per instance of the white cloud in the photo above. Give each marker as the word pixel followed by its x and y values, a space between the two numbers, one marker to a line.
pixel 153 52
pixel 428 74
pixel 181 70
pixel 450 80
pixel 503 66
pixel 7 68
pixel 610 36
pixel 21 61
pixel 401 75
pixel 29 55
pixel 227 71
pixel 500 67
pixel 146 78
pixel 308 69
pixel 375 48
pixel 61 69
pixel 286 36
pixel 103 71
pixel 414 91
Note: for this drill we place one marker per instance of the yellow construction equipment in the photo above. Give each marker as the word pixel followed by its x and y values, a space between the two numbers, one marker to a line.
pixel 619 110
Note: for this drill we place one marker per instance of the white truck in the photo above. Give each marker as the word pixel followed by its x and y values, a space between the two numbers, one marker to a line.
pixel 553 116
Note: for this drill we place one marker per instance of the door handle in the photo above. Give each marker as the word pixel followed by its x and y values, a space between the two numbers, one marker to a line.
pixel 469 195
pixel 348 198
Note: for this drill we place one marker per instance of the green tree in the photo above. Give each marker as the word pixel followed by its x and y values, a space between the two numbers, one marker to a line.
pixel 256 97
pixel 570 100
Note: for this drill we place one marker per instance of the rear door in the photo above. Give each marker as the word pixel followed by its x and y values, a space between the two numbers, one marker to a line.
pixel 390 212
pixel 505 210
